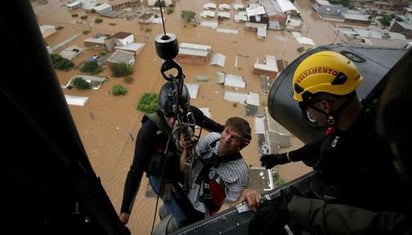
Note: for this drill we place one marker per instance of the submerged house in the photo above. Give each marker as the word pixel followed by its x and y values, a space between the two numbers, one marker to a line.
pixel 121 56
pixel 193 53
pixel 268 68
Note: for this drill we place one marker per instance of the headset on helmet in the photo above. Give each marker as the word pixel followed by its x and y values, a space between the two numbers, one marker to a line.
pixel 166 98
pixel 327 72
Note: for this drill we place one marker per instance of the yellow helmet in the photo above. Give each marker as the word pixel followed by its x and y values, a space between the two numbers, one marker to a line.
pixel 325 71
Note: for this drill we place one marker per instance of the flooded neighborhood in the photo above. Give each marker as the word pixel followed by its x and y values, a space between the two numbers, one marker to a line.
pixel 236 62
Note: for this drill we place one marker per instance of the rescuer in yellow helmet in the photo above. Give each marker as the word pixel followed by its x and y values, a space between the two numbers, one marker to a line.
pixel 324 84
pixel 352 163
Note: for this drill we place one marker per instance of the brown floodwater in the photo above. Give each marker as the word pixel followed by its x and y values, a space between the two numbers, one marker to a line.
pixel 108 124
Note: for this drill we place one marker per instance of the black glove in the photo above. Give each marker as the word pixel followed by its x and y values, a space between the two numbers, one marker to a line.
pixel 271 216
pixel 271 160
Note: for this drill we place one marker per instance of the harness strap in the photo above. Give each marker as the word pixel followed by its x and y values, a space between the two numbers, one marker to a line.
pixel 213 188
pixel 214 161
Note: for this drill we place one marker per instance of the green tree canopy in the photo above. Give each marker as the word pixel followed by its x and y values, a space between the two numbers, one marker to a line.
pixel 119 90
pixel 385 20
pixel 61 63
pixel 157 3
pixel 148 102
pixel 80 83
pixel 188 16
pixel 91 67
pixel 121 70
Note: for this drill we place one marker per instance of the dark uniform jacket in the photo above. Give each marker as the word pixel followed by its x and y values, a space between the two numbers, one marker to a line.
pixel 356 168
pixel 150 141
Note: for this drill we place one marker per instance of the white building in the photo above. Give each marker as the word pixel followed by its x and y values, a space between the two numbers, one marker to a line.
pixel 268 68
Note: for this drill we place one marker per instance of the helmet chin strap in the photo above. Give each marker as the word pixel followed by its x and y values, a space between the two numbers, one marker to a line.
pixel 331 125
pixel 331 117
pixel 331 120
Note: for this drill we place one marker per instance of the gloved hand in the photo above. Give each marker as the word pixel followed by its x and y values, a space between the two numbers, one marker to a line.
pixel 271 216
pixel 270 160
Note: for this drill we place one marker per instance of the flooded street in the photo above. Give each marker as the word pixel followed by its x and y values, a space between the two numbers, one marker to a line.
pixel 108 124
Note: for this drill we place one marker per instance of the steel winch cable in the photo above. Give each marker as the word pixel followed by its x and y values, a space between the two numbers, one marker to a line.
pixel 167 48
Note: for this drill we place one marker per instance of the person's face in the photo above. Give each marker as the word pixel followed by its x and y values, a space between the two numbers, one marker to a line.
pixel 231 141
pixel 170 119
